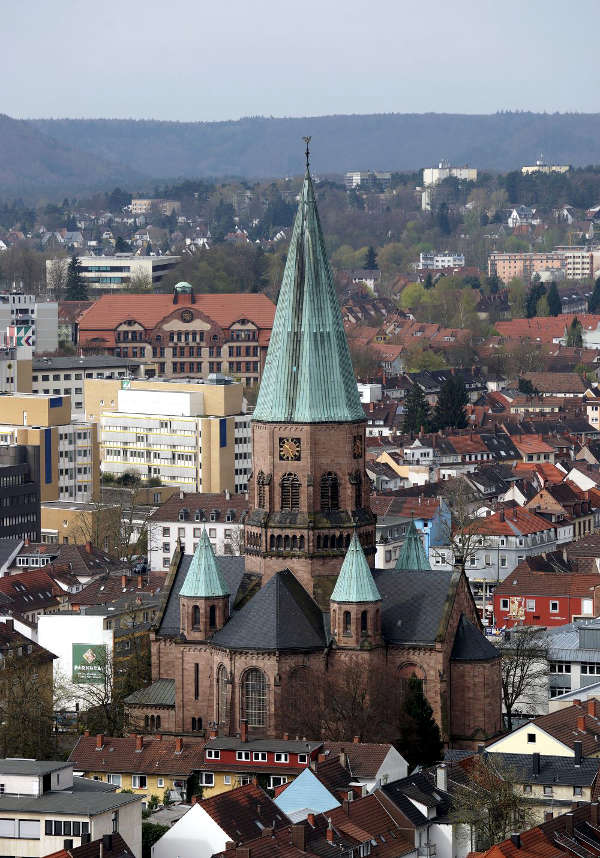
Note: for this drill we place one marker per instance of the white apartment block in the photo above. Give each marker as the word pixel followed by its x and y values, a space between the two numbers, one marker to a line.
pixel 435 175
pixel 114 273
pixel 145 206
pixel 440 260
pixel 20 310
pixel 65 376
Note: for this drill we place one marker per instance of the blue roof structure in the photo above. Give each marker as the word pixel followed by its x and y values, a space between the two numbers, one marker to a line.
pixel 204 579
pixel 355 582
pixel 306 792
pixel 412 555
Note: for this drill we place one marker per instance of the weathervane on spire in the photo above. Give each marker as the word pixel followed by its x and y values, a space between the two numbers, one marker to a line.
pixel 307 153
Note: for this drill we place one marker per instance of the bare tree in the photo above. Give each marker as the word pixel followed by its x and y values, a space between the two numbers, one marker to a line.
pixel 56 277
pixel 26 700
pixel 524 667
pixel 490 803
pixel 102 699
pixel 461 531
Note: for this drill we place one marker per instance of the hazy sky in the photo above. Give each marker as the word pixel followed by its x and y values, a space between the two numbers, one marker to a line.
pixel 201 60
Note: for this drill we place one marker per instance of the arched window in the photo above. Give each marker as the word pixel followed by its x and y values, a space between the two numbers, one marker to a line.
pixel 358 492
pixel 158 722
pixel 325 541
pixel 286 543
pixel 330 492
pixel 319 541
pixel 272 543
pixel 152 722
pixel 260 494
pixel 347 623
pixel 290 493
pixel 347 540
pixel 377 621
pixel 407 673
pixel 340 541
pixel 294 543
pixel 334 621
pixel 364 623
pixel 254 697
pixel 196 724
pixel 279 543
pixel 146 722
pixel 212 617
pixel 301 543
pixel 195 617
pixel 222 696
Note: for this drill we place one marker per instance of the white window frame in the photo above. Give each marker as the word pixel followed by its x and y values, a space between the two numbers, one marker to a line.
pixel 554 606
pixel 504 604
pixel 242 756
pixel 213 754
pixel 302 758
pixel 114 779
pixel 282 757
pixel 259 757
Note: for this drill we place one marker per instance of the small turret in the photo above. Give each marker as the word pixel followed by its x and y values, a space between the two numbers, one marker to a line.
pixel 412 557
pixel 356 602
pixel 204 596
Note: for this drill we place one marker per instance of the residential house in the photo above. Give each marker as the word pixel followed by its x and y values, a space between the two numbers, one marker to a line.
pixel 573 731
pixel 547 598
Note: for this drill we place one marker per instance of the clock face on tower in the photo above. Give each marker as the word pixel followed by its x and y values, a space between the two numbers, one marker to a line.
pixel 289 449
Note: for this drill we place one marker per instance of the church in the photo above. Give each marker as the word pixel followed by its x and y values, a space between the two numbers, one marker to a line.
pixel 238 638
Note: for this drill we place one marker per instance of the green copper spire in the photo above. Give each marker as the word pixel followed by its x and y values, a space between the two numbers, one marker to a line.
pixel 412 555
pixel 204 579
pixel 355 582
pixel 308 375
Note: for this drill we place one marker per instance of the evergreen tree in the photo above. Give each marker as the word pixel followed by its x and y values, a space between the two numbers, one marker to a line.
pixel 493 283
pixel 594 302
pixel 419 740
pixel 574 335
pixel 416 410
pixel 537 291
pixel 122 246
pixel 554 302
pixel 76 289
pixel 442 220
pixel 428 284
pixel 371 259
pixel 450 409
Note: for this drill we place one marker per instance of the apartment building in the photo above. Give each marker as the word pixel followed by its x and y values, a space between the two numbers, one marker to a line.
pixel 20 491
pixel 573 263
pixel 435 175
pixel 369 180
pixel 44 808
pixel 541 166
pixel 146 206
pixel 192 434
pixel 114 273
pixel 68 451
pixel 39 319
pixel 64 376
pixel 185 334
pixel 431 260
pixel 182 518
pixel 15 369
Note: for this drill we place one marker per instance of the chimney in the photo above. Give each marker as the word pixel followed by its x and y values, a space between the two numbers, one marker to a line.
pixel 321 758
pixel 343 759
pixel 346 805
pixel 227 494
pixel 158 737
pixel 181 494
pixel 594 813
pixel 299 837
pixel 99 742
pixel 267 832
pixel 311 819
pixel 107 841
pixel 86 733
pixel 578 748
pixel 178 744
pixel 101 849
pixel 329 831
pixel 548 815
pixel 576 702
pixel 194 799
pixel 286 736
pixel 212 734
pixel 441 777
pixel 502 515
pixel 581 723
pixel 139 743
pixel 123 581
pixel 26 540
pixel 244 729
pixel 88 547
pixel 356 740
pixel 140 583
pixel 10 624
pixel 229 844
pixel 535 763
pixel 569 823
pixel 516 839
pixel 591 707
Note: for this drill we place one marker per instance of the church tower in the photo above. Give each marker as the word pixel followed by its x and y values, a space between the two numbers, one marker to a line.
pixel 309 490
pixel 204 595
pixel 356 603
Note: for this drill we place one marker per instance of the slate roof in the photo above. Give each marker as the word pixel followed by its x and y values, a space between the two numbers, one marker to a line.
pixel 242 813
pixel 364 758
pixel 203 503
pixel 308 375
pixel 411 556
pixel 233 743
pixel 160 693
pixel 35 768
pixel 232 569
pixel 204 579
pixel 355 581
pixel 8 546
pixel 93 849
pixel 119 754
pixel 562 724
pixel 281 616
pixel 470 644
pixel 86 797
pixel 421 787
pixel 413 603
pixel 553 768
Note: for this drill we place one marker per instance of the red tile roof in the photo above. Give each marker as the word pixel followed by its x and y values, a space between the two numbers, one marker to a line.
pixel 418 507
pixel 119 754
pixel 364 758
pixel 109 588
pixel 524 581
pixel 545 328
pixel 563 725
pixel 531 444
pixel 516 521
pixel 242 813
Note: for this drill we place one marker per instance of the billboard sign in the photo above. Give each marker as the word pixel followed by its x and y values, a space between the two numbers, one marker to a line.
pixel 20 335
pixel 89 661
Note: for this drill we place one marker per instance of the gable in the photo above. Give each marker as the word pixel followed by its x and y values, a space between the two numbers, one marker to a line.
pixel 516 743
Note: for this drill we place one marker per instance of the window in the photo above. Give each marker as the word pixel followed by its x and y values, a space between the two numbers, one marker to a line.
pixel 347 623
pixel 8 827
pixel 531 738
pixel 504 604
pixel 330 492
pixel 242 756
pixel 577 790
pixel 259 756
pixel 290 493
pixel 222 695
pixel 138 781
pixel 254 697
pixel 547 790
pixel 503 562
pixel 196 681
pixel 160 782
pixel 302 758
pixel 530 604
pixel 553 607
pixel 276 780
pixel 560 667
pixel 227 780
pixel 282 758
pixel 206 779
pixel 527 789
pixel 114 779
pixel 591 668
pixel 213 754
pixel 195 616
pixel 212 617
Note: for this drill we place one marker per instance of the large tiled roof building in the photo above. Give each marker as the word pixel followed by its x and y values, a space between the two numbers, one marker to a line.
pixel 239 637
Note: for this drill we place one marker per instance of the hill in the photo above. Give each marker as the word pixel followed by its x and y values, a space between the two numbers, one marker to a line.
pixel 262 147
pixel 34 163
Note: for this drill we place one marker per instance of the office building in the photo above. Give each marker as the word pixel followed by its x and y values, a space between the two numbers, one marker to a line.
pixel 114 273
pixel 370 180
pixel 68 451
pixel 20 491
pixel 435 175
pixel 15 369
pixel 185 334
pixel 146 206
pixel 38 320
pixel 64 376
pixel 44 808
pixel 193 434
pixel 540 166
